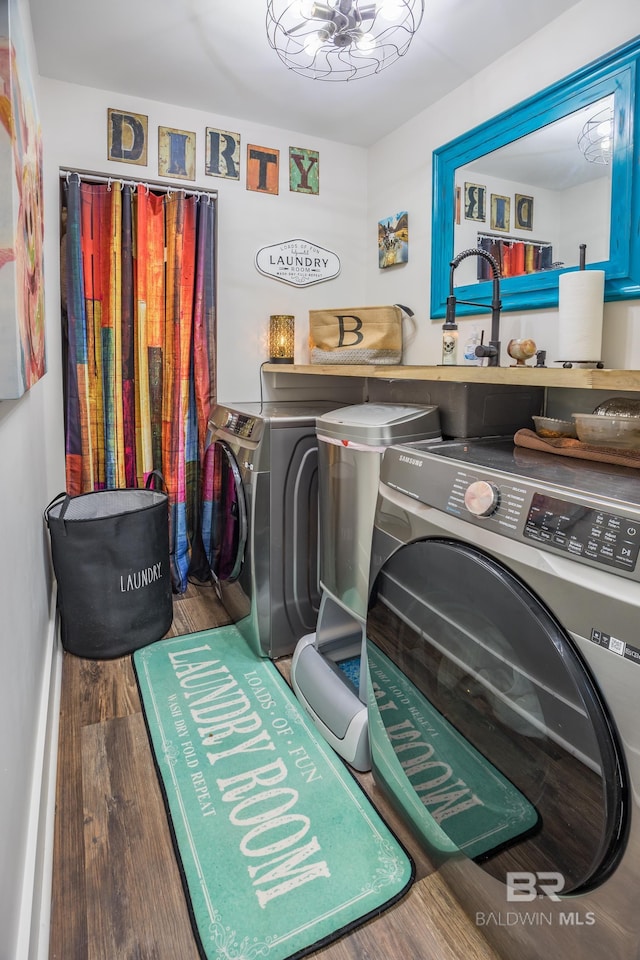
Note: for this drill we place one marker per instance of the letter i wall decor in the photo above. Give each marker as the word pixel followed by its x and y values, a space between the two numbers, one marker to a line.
pixel 176 153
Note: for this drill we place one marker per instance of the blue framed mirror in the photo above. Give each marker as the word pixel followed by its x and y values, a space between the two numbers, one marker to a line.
pixel 535 182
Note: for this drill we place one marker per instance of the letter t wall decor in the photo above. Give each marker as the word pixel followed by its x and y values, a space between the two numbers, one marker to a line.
pixel 263 168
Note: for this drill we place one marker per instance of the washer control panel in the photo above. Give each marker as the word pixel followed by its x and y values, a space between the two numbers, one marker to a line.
pixel 240 424
pixel 583 532
pixel 586 527
pixel 234 424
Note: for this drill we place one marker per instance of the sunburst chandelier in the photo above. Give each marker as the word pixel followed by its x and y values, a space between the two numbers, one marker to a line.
pixel 341 39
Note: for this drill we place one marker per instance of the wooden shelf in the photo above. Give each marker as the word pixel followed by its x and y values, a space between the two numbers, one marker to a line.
pixel 528 375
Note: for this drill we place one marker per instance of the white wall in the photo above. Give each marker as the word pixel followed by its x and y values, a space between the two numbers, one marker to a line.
pixel 400 172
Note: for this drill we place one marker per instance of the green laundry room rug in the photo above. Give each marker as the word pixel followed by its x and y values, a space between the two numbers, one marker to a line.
pixel 281 851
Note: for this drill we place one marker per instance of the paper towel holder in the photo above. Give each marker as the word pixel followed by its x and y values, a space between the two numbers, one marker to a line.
pixel 583 256
pixel 583 364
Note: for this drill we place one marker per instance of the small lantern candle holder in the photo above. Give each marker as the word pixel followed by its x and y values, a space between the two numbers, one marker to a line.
pixel 281 338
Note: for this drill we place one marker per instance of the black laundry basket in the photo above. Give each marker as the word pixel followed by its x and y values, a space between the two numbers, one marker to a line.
pixel 110 552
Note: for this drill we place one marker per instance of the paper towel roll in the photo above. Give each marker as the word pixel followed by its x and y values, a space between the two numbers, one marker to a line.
pixel 580 308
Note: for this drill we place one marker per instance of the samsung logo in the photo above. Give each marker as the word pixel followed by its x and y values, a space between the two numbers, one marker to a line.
pixel 412 461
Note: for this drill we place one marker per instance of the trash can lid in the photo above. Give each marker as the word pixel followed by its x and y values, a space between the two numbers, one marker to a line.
pixel 381 424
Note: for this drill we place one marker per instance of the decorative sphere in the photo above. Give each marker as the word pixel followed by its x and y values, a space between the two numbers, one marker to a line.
pixel 521 350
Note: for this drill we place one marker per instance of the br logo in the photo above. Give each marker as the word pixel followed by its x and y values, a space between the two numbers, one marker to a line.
pixel 525 886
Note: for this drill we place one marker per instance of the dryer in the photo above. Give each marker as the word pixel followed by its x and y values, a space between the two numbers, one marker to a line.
pixel 261 533
pixel 503 650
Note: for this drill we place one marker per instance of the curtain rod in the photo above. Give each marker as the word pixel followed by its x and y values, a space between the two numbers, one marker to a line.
pixel 89 175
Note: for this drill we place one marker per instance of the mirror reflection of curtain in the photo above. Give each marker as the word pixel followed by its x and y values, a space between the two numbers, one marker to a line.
pixel 139 329
pixel 513 256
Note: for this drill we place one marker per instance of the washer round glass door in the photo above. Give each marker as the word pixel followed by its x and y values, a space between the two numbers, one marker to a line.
pixel 485 723
pixel 228 524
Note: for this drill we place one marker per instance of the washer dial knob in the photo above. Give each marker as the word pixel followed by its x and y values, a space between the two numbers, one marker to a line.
pixel 481 498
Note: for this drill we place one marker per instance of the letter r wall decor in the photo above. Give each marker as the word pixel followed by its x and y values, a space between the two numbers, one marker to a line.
pixel 22 346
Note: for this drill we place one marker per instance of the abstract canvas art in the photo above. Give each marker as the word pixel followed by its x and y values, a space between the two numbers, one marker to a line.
pixel 22 340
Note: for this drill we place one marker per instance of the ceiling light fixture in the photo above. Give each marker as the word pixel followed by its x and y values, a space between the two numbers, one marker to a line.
pixel 341 39
pixel 596 139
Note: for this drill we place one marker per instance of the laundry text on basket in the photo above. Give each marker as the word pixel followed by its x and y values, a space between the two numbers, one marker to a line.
pixel 141 578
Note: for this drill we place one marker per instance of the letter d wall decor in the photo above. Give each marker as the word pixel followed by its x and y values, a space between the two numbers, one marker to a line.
pixel 127 137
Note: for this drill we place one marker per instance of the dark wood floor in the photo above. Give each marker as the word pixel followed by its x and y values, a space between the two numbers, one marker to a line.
pixel 117 893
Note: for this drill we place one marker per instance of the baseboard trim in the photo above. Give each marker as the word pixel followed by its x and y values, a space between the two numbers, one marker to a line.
pixel 35 910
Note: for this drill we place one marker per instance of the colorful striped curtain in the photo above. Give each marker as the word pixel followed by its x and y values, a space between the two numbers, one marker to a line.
pixel 139 327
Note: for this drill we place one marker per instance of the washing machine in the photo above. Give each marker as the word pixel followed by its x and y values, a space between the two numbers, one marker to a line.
pixel 503 653
pixel 261 532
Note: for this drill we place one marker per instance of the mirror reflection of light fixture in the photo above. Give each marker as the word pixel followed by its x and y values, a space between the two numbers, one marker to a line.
pixel 341 39
pixel 281 338
pixel 596 139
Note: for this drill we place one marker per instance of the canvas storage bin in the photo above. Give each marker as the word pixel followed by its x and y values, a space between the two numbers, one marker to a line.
pixel 371 335
pixel 110 553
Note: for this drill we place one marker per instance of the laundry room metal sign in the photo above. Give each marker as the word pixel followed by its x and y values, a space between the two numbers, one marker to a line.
pixel 298 262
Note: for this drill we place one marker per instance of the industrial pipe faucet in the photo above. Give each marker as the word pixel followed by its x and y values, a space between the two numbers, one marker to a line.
pixel 491 349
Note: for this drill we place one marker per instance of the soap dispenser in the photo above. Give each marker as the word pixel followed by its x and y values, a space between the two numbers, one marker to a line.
pixel 449 343
pixel 470 348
